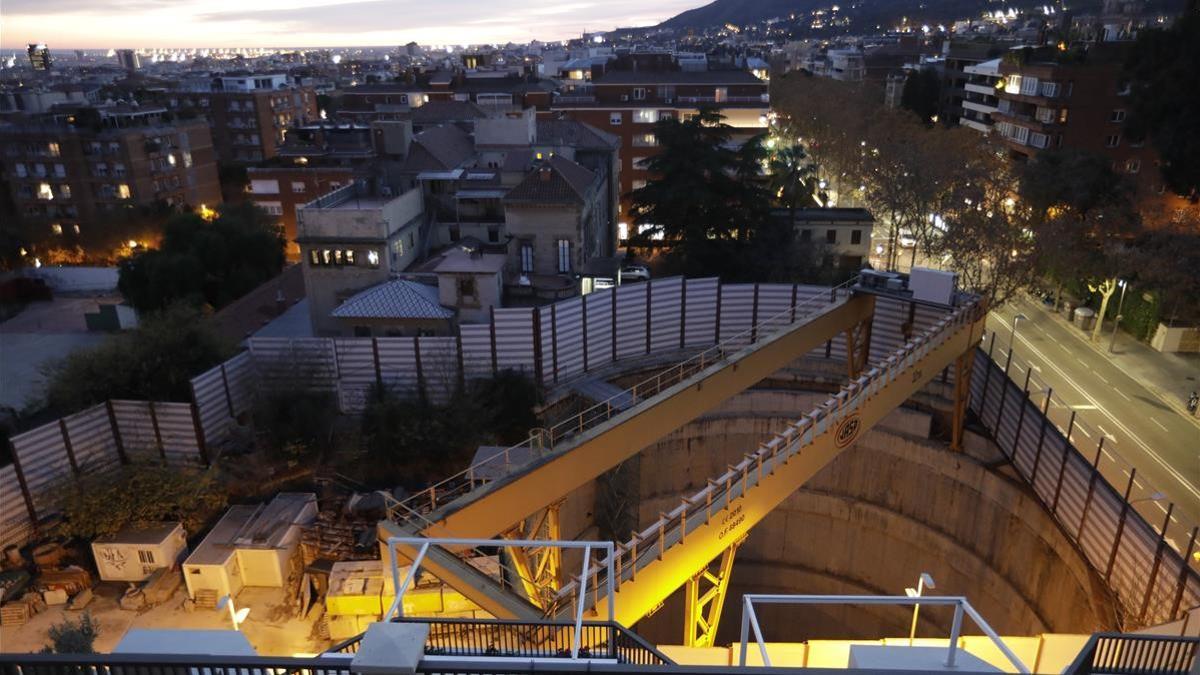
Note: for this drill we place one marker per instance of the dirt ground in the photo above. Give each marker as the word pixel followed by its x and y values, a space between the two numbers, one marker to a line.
pixel 269 633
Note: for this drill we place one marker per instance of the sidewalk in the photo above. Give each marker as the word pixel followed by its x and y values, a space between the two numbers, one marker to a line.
pixel 1172 377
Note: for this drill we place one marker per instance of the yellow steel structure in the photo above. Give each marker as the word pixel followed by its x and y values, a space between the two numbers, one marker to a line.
pixel 537 568
pixel 677 548
pixel 702 609
pixel 494 508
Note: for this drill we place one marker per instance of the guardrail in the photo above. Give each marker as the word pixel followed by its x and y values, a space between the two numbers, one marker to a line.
pixel 525 639
pixel 1117 654
pixel 542 441
pixel 646 547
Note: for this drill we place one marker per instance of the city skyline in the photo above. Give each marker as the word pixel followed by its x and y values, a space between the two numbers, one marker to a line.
pixel 71 24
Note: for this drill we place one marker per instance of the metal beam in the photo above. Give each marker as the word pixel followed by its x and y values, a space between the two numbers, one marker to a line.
pixel 654 582
pixel 702 611
pixel 488 511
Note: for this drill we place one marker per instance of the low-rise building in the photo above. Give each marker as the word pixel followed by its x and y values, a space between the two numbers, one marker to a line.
pixel 846 232
pixel 350 241
pixel 281 190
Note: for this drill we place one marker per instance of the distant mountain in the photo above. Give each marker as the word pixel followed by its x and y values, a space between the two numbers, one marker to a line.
pixel 738 12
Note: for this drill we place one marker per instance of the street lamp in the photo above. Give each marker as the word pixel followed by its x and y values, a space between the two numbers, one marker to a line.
pixel 1120 304
pixel 1013 334
pixel 237 616
pixel 923 582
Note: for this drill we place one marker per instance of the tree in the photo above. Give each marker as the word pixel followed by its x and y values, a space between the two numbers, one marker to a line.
pixel 792 178
pixel 139 494
pixel 922 94
pixel 73 637
pixel 1167 261
pixel 154 362
pixel 1084 220
pixel 205 262
pixel 1164 111
pixel 987 239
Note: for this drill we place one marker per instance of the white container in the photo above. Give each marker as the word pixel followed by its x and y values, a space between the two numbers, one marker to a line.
pixel 134 554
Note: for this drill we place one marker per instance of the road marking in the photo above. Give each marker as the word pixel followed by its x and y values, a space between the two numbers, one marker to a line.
pixel 1187 485
pixel 1107 433
pixel 1082 431
pixel 1084 407
pixel 1035 367
pixel 1161 507
pixel 1101 378
pixel 1122 394
pixel 1160 426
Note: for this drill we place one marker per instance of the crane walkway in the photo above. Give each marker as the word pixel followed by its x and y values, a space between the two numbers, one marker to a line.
pixel 579 450
pixel 683 543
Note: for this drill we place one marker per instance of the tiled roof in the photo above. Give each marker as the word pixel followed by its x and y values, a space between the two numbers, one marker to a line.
pixel 575 134
pixel 439 148
pixel 556 180
pixel 446 111
pixel 397 299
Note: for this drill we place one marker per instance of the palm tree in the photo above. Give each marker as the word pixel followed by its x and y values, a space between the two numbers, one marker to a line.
pixel 792 177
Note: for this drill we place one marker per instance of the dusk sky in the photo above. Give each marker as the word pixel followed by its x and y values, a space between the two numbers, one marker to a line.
pixel 86 24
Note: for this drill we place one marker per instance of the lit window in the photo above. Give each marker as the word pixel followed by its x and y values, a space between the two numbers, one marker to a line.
pixel 56 228
pixel 398 246
pixel 298 186
pixel 187 159
pixel 171 158
pixel 645 116
pixel 53 149
pixel 1133 166
pixel 372 257
pixel 564 255
pixel 1112 140
pixel 64 191
pixel 44 191
pixel 123 191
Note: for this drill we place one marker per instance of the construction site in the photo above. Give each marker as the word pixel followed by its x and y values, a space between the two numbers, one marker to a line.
pixel 710 457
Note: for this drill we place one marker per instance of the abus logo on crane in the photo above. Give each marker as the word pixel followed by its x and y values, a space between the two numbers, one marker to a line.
pixel 847 431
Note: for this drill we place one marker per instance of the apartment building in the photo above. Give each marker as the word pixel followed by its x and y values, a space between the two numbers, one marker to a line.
pixel 1052 99
pixel 962 64
pixel 68 176
pixel 487 89
pixel 627 104
pixel 250 114
pixel 281 189
pixel 980 100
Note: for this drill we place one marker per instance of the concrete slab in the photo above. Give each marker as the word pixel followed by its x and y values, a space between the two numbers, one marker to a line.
pixel 391 649
pixel 924 659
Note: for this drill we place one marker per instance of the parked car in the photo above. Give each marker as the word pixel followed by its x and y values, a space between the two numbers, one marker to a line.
pixel 635 272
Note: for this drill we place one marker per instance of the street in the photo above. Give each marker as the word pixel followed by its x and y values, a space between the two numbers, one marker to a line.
pixel 1140 430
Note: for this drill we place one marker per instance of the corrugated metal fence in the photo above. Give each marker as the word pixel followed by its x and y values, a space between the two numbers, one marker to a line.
pixel 1153 582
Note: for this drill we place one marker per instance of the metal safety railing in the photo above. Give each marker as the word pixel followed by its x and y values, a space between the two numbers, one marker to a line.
pixel 960 604
pixel 542 442
pixel 1117 654
pixel 719 494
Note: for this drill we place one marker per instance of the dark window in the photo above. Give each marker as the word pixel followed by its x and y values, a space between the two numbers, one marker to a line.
pixel 362 331
pixel 455 233
pixel 493 234
pixel 564 255
pixel 830 236
pixel 466 287
pixel 856 236
pixel 526 256
pixel 806 235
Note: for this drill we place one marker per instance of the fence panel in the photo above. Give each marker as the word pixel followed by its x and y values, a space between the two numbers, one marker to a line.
pixel 439 367
pixel 514 340
pixel 666 307
pixel 288 361
pixel 700 329
pixel 92 441
pixel 178 432
pixel 44 461
pixel 567 357
pixel 15 526
pixel 631 319
pixel 476 350
pixel 599 328
pixel 737 311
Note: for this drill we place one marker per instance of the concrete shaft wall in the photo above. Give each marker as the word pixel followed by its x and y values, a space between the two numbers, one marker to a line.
pixel 890 507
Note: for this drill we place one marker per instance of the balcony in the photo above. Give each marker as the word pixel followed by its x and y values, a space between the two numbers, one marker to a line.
pixel 984 89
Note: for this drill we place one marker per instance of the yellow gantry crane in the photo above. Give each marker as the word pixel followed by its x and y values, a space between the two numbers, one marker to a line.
pixel 695 544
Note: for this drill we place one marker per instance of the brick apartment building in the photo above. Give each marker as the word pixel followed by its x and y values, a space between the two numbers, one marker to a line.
pixel 249 114
pixel 1052 99
pixel 68 176
pixel 281 190
pixel 628 103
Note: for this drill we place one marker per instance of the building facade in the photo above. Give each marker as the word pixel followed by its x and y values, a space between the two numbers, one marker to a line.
pixel 350 241
pixel 627 104
pixel 281 190
pixel 66 177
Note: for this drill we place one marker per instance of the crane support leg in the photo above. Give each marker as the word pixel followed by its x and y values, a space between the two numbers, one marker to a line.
pixel 962 397
pixel 538 568
pixel 705 597
pixel 858 347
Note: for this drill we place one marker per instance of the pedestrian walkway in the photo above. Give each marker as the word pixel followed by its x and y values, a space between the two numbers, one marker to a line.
pixel 1172 377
